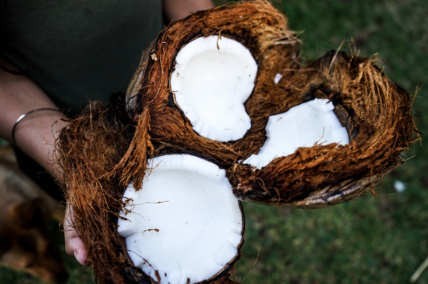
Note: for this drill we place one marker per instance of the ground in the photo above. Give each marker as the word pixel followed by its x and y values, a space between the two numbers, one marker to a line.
pixel 365 240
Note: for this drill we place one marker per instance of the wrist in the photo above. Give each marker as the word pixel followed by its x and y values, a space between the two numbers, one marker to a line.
pixel 25 115
pixel 36 135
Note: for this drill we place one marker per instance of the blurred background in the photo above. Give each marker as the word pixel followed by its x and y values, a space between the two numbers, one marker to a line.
pixel 366 240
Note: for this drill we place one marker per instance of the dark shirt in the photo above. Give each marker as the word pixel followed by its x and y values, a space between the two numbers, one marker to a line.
pixel 76 50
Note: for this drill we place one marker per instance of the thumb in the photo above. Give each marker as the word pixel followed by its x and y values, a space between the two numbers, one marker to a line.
pixel 74 245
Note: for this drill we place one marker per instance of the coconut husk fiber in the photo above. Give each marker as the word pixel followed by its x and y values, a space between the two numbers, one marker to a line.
pixel 376 113
pixel 107 147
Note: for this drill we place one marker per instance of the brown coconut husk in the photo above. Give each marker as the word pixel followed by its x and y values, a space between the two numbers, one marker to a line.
pixel 377 115
pixel 105 148
pixel 258 26
pixel 89 149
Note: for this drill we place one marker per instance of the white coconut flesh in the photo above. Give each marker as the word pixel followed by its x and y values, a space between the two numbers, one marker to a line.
pixel 213 78
pixel 185 225
pixel 301 126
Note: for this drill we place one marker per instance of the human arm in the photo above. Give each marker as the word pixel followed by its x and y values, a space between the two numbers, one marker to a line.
pixel 179 9
pixel 35 134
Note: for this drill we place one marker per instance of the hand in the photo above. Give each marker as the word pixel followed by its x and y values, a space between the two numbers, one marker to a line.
pixel 179 9
pixel 73 243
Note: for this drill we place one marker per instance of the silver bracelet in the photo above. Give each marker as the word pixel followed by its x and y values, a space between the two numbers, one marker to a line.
pixel 25 115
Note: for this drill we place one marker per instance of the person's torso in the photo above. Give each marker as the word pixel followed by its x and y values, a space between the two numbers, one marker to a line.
pixel 78 49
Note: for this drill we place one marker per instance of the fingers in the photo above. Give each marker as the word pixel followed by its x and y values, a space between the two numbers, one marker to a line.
pixel 73 244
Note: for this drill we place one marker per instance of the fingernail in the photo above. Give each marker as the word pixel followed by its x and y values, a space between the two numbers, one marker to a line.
pixel 76 256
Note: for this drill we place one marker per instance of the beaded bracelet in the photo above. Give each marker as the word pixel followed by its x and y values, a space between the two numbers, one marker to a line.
pixel 25 115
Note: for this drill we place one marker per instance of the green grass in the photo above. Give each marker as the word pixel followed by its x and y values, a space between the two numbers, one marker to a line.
pixel 365 240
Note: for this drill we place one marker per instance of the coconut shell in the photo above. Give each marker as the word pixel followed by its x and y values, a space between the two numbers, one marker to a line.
pixel 377 115
pixel 259 27
pixel 106 147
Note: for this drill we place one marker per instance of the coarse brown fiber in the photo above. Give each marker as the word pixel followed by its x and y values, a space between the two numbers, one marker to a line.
pixel 106 148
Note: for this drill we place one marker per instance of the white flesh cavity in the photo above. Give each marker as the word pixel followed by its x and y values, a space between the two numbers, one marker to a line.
pixel 199 221
pixel 301 126
pixel 212 79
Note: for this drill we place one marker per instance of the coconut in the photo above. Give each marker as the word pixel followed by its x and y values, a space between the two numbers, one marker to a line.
pixel 284 135
pixel 225 87
pixel 185 225
pixel 262 31
pixel 376 113
pixel 212 79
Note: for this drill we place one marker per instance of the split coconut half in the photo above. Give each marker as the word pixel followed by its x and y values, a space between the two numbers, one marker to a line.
pixel 304 125
pixel 212 79
pixel 185 225
pixel 226 88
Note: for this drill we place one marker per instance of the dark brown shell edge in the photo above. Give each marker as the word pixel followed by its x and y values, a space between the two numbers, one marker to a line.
pixel 332 194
